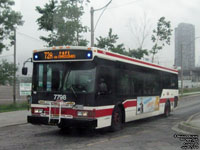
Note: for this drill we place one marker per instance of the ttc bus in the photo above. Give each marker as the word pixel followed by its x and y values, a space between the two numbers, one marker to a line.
pixel 93 88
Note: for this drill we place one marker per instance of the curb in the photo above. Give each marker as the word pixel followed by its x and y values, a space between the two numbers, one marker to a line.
pixel 186 126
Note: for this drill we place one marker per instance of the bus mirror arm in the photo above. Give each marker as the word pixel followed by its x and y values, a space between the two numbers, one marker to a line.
pixel 25 69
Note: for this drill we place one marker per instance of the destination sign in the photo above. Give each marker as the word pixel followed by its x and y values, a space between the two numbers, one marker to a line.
pixel 62 55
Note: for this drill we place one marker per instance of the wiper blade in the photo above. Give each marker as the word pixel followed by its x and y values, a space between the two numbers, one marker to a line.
pixel 73 91
pixel 71 87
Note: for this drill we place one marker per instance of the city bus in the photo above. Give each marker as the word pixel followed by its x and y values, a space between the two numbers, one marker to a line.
pixel 83 87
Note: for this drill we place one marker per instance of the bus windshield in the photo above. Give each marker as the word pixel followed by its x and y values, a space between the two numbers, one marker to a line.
pixel 64 77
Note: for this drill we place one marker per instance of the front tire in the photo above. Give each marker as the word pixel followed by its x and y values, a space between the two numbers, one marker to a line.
pixel 63 128
pixel 116 123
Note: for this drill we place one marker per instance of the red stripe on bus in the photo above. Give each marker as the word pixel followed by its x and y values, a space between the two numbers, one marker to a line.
pixel 134 60
pixel 73 112
pixel 165 99
pixel 130 104
pixel 64 111
pixel 103 112
pixel 171 99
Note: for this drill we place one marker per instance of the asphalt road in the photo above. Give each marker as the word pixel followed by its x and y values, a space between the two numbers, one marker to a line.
pixel 148 134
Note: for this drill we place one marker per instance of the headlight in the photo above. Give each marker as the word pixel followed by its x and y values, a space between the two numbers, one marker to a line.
pixel 38 111
pixel 82 113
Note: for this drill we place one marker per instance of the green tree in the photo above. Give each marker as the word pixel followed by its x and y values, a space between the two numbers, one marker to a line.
pixel 161 36
pixel 62 20
pixel 110 43
pixel 9 20
pixel 6 72
pixel 138 53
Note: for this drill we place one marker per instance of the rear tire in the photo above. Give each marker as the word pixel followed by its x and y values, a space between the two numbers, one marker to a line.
pixel 167 109
pixel 116 123
pixel 175 102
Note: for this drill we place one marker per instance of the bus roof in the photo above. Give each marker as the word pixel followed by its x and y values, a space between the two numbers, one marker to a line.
pixel 105 54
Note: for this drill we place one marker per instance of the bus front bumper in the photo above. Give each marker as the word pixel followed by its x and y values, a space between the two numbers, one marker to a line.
pixel 75 122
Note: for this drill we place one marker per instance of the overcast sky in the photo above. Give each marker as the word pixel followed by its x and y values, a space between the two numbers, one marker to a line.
pixel 118 16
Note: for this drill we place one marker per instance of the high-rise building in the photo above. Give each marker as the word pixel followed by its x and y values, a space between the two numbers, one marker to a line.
pixel 185 45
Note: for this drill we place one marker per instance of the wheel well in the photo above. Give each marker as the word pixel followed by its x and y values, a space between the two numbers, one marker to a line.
pixel 176 98
pixel 123 112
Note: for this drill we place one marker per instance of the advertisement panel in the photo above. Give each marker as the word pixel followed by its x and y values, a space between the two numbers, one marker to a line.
pixel 147 104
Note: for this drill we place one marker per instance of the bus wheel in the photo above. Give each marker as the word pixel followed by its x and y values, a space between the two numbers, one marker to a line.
pixel 116 123
pixel 175 102
pixel 167 109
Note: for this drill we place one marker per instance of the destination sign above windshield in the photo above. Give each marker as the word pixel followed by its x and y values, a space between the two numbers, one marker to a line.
pixel 62 55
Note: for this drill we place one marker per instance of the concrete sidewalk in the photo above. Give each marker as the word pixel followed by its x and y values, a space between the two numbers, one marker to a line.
pixel 192 125
pixel 13 118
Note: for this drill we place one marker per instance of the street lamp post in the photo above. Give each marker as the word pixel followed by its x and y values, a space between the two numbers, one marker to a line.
pixel 14 78
pixel 92 26
pixel 92 10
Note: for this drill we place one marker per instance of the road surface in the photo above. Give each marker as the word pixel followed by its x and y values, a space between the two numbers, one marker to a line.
pixel 154 133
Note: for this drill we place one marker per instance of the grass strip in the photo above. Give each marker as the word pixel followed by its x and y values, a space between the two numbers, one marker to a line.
pixel 190 90
pixel 13 107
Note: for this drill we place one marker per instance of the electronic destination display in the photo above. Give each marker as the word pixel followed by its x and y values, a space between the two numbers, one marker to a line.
pixel 62 55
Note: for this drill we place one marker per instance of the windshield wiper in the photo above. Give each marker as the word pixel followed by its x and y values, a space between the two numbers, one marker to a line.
pixel 73 91
pixel 71 86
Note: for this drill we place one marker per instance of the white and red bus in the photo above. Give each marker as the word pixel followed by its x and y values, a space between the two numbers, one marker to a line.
pixel 90 87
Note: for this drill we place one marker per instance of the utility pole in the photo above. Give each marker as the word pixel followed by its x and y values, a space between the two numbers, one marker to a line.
pixel 14 79
pixel 92 26
pixel 92 10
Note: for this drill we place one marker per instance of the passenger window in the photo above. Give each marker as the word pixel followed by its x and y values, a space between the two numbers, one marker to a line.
pixel 105 81
pixel 123 83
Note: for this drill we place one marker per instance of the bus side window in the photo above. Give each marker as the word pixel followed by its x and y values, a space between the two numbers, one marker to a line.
pixel 173 82
pixel 105 81
pixel 103 89
pixel 123 83
pixel 166 81
pixel 132 82
pixel 136 83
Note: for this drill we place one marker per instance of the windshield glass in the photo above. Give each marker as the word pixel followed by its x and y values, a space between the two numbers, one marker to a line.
pixel 64 77
pixel 80 81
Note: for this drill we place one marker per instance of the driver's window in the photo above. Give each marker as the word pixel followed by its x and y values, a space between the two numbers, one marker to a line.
pixel 105 80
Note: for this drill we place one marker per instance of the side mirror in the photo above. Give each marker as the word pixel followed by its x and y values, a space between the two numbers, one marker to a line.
pixel 24 70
